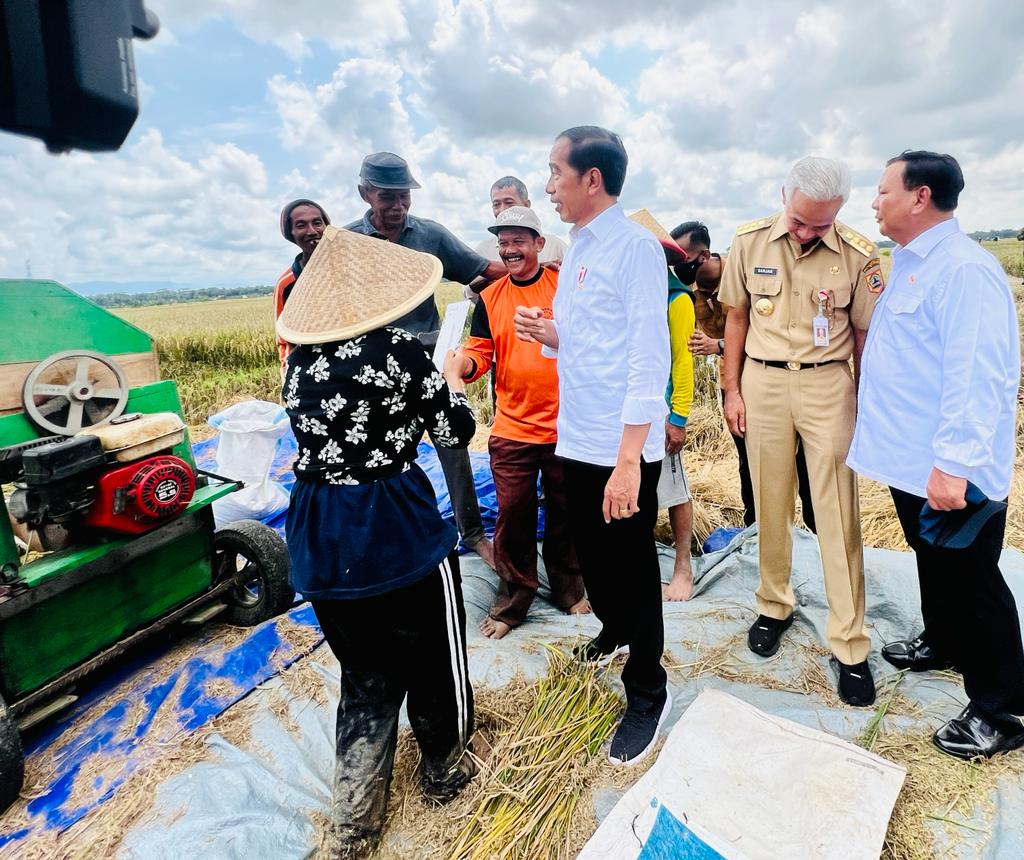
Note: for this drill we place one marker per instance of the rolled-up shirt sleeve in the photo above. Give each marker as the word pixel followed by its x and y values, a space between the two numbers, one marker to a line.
pixel 645 299
pixel 970 315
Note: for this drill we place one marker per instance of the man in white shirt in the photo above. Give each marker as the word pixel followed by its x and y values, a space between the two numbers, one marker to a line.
pixel 938 395
pixel 610 333
pixel 505 193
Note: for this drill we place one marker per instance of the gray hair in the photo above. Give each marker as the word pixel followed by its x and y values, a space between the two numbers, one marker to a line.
pixel 516 185
pixel 819 178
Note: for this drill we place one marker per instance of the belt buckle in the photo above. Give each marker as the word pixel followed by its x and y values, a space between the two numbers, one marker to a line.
pixel 792 365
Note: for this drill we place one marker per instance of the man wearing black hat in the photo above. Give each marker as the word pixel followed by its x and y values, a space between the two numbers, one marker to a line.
pixel 302 223
pixel 386 183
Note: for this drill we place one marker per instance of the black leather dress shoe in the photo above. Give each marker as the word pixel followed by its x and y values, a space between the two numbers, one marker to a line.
pixel 765 633
pixel 915 655
pixel 856 685
pixel 971 735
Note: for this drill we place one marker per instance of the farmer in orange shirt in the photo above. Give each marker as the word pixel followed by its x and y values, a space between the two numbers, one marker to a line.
pixel 522 442
pixel 302 224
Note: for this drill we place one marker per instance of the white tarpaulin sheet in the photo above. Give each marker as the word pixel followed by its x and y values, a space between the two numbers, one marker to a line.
pixel 268 798
pixel 761 787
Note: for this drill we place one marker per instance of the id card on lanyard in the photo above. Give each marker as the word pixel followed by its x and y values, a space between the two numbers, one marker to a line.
pixel 820 322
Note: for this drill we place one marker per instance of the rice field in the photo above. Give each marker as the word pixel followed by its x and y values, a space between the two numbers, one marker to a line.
pixel 222 352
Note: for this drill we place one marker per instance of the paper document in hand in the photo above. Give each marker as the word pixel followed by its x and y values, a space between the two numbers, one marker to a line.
pixel 451 330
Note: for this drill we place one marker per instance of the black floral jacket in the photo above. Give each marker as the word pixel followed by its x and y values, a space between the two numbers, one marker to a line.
pixel 359 407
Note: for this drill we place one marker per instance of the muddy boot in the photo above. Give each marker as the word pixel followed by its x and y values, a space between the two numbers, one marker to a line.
pixel 443 787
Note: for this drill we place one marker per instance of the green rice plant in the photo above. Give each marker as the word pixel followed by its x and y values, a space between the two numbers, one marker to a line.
pixel 536 774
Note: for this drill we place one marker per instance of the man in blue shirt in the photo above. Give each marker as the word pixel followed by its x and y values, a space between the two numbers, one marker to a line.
pixel 935 422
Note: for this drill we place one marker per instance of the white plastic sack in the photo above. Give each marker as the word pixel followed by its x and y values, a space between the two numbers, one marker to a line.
pixel 752 786
pixel 249 435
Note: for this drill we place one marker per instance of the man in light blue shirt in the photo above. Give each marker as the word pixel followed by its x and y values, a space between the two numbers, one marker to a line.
pixel 938 395
pixel 610 332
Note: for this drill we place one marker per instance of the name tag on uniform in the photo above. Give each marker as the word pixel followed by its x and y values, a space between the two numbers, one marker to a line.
pixel 820 324
pixel 765 270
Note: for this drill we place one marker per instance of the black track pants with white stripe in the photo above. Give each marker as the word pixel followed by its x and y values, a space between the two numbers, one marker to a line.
pixel 408 642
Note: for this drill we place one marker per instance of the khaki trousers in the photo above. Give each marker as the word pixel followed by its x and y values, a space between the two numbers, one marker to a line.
pixel 818 405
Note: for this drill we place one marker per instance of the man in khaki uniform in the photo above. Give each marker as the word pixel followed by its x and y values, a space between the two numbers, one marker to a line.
pixel 800 288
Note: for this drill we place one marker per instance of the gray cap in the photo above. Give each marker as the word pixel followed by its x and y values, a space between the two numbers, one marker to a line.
pixel 387 170
pixel 516 216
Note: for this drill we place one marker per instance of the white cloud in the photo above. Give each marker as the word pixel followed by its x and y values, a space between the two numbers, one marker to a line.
pixel 342 24
pixel 714 105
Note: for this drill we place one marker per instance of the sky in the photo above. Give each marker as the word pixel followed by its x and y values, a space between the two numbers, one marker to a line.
pixel 247 104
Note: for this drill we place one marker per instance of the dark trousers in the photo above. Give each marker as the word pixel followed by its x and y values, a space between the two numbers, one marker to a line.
pixel 458 475
pixel 970 615
pixel 407 642
pixel 619 562
pixel 515 467
pixel 803 485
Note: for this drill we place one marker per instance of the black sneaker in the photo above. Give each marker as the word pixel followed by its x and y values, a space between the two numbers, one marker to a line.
pixel 637 733
pixel 598 650
pixel 856 686
pixel 765 634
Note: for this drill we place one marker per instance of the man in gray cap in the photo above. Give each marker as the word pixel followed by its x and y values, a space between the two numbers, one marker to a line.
pixel 386 183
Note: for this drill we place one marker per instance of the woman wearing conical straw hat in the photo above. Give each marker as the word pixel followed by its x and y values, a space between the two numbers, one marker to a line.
pixel 367 543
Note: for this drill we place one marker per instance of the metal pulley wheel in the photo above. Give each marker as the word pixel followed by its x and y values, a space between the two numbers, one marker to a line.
pixel 72 390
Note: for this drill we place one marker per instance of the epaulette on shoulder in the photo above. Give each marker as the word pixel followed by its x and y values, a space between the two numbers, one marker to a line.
pixel 751 226
pixel 855 240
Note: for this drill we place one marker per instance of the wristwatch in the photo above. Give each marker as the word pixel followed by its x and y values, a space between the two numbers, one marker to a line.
pixel 721 346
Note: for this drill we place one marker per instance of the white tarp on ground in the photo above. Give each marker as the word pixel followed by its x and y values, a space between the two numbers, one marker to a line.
pixel 765 786
pixel 263 800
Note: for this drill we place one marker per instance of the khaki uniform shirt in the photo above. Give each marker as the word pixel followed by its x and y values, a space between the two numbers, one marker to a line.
pixel 770 274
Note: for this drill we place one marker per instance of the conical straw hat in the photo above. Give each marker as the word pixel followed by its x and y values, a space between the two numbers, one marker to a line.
pixel 353 284
pixel 646 219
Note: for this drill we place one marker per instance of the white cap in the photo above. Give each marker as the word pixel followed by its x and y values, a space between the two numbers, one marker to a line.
pixel 517 216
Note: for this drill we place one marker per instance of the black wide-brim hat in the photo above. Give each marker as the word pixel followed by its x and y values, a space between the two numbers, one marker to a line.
pixel 388 171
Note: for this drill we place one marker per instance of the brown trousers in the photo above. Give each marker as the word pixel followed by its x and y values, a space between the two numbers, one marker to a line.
pixel 818 406
pixel 515 467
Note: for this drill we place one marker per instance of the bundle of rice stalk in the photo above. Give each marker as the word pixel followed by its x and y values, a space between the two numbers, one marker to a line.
pixel 536 774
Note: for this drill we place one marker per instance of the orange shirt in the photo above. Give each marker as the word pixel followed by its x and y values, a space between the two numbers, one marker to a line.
pixel 281 291
pixel 526 382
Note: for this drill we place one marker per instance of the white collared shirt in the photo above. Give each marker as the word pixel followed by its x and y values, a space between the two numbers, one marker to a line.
pixel 940 370
pixel 611 314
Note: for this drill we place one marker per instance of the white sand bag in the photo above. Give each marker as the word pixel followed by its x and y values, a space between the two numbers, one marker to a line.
pixel 249 436
pixel 752 786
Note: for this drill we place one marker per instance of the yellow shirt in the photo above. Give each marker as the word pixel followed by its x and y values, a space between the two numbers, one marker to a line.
pixel 769 273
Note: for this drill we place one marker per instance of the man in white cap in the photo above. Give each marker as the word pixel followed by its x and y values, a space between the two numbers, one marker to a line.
pixel 522 441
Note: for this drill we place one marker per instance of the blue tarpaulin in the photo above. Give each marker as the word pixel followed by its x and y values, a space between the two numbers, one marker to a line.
pixel 156 697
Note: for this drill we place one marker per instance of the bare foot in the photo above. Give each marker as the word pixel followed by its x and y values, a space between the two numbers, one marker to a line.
pixel 581 607
pixel 494 629
pixel 680 588
pixel 485 549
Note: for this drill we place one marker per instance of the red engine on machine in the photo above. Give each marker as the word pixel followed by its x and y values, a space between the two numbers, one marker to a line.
pixel 135 498
pixel 117 478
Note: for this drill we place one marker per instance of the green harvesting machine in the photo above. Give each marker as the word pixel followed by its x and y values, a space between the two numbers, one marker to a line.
pixel 107 532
